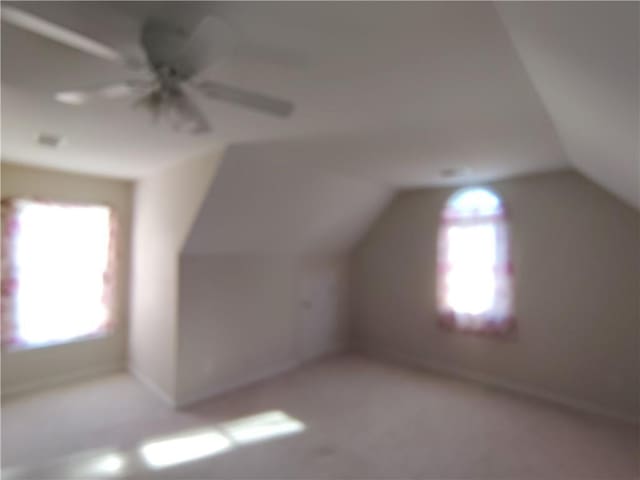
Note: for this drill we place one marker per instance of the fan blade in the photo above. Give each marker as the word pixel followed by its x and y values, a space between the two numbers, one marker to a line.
pixel 44 28
pixel 113 91
pixel 211 41
pixel 126 89
pixel 215 40
pixel 238 96
pixel 196 121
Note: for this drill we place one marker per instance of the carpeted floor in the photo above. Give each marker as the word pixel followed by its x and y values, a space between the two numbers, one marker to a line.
pixel 343 418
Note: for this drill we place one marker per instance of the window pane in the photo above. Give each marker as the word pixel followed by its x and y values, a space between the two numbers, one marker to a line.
pixel 474 281
pixel 470 279
pixel 61 257
pixel 473 203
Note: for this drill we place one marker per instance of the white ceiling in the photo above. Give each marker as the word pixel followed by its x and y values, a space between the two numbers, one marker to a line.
pixel 389 92
pixel 584 60
pixel 268 204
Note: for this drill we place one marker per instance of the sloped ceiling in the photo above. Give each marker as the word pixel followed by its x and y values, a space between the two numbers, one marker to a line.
pixel 389 92
pixel 413 87
pixel 263 203
pixel 584 60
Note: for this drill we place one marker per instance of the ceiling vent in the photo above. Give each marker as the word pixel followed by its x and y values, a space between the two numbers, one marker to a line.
pixel 455 172
pixel 50 140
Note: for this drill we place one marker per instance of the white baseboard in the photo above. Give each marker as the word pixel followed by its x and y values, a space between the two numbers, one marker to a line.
pixel 442 368
pixel 218 389
pixel 263 374
pixel 60 380
pixel 331 351
pixel 150 385
pixel 270 371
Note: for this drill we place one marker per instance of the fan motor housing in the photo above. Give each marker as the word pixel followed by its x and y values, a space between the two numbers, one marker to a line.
pixel 164 46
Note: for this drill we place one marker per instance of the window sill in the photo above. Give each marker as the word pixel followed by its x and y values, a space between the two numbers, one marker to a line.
pixel 57 343
pixel 505 330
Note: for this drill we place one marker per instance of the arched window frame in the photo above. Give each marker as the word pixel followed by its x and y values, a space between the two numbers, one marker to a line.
pixel 499 318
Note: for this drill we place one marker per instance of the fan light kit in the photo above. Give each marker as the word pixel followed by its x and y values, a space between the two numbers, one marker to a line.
pixel 173 62
pixel 71 98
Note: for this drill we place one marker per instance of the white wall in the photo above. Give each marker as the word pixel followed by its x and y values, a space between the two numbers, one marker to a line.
pixel 321 303
pixel 26 370
pixel 244 317
pixel 577 279
pixel 235 321
pixel 165 206
pixel 263 274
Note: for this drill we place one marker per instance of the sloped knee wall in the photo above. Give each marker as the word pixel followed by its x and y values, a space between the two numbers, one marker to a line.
pixel 263 273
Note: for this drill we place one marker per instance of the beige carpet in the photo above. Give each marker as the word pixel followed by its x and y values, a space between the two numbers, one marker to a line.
pixel 346 418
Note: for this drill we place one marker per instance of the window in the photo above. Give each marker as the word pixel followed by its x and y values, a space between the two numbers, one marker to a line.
pixel 474 268
pixel 57 271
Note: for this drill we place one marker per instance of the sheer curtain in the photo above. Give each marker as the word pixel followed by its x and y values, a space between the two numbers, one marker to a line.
pixel 475 274
pixel 58 262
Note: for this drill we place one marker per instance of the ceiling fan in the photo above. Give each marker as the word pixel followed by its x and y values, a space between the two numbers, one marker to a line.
pixel 173 60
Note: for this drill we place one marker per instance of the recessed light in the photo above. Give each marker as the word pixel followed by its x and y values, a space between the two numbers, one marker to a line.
pixel 454 172
pixel 71 98
pixel 50 140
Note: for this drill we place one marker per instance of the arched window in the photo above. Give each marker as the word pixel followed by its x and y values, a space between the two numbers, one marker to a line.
pixel 475 290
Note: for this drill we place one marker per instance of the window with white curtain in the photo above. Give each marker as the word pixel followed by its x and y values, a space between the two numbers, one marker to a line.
pixel 57 272
pixel 475 274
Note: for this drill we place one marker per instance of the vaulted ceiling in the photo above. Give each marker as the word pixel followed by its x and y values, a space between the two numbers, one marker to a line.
pixel 584 61
pixel 264 202
pixel 393 93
